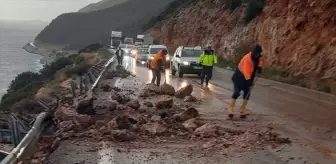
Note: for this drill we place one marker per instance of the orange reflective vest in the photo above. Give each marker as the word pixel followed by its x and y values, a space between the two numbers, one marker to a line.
pixel 246 66
pixel 158 56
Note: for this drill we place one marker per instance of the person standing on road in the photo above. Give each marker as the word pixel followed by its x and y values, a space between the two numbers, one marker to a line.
pixel 243 79
pixel 120 55
pixel 157 66
pixel 207 60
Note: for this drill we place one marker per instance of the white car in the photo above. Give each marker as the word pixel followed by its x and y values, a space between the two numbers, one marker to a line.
pixel 185 61
pixel 153 50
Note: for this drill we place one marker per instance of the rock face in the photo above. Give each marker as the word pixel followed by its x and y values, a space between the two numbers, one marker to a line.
pixel 296 36
pixel 184 91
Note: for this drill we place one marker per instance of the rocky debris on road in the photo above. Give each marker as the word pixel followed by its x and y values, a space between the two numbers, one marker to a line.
pixel 190 98
pixel 84 104
pixel 109 105
pixel 167 89
pixel 122 135
pixel 186 115
pixel 164 102
pixel 155 128
pixel 184 91
pixel 149 90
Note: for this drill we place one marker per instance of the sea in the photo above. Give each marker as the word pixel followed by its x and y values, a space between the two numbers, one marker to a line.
pixel 14 59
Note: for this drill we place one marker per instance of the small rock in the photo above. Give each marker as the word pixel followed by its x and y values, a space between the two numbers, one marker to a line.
pixel 67 135
pixel 65 126
pixel 164 102
pixel 207 130
pixel 134 104
pixel 156 118
pixel 106 88
pixel 184 91
pixel 55 143
pixel 186 115
pixel 190 124
pixel 190 99
pixel 122 135
pixel 155 128
pixel 148 104
pixel 107 104
pixel 121 98
pixel 119 122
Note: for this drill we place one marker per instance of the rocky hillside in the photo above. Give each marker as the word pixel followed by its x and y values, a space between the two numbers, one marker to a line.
pixel 101 5
pixel 76 30
pixel 298 37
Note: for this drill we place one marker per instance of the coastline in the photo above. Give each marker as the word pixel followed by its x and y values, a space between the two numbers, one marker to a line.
pixel 48 55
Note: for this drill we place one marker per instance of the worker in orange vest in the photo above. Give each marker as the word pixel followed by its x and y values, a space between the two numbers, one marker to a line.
pixel 157 66
pixel 243 79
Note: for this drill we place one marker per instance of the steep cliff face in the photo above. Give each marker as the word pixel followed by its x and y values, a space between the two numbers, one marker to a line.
pixel 298 36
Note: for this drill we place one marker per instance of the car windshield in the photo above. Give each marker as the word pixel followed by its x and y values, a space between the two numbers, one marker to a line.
pixel 142 50
pixel 191 53
pixel 122 46
pixel 155 50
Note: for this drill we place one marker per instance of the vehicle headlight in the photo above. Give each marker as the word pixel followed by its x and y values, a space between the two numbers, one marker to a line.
pixel 186 63
pixel 167 57
pixel 151 57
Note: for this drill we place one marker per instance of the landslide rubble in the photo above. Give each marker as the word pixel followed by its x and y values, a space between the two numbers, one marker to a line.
pixel 151 117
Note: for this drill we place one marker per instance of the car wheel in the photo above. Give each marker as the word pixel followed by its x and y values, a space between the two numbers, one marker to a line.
pixel 180 74
pixel 172 69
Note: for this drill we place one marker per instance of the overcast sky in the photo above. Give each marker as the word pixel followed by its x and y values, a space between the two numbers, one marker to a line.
pixel 44 10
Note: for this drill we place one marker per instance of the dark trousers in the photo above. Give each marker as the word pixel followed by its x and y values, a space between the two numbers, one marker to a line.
pixel 120 60
pixel 156 76
pixel 237 89
pixel 206 73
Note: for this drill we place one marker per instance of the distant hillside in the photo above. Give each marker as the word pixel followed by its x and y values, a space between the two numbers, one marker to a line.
pixel 76 30
pixel 101 5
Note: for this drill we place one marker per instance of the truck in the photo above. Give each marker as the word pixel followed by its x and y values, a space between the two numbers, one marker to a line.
pixel 147 40
pixel 139 40
pixel 116 39
pixel 128 40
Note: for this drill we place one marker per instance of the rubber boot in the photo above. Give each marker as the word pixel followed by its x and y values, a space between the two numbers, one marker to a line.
pixel 243 109
pixel 231 108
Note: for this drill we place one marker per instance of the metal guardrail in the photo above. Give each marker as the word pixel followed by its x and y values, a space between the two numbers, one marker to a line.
pixel 25 148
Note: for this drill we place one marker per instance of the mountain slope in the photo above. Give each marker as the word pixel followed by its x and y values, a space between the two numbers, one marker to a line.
pixel 298 37
pixel 76 30
pixel 101 5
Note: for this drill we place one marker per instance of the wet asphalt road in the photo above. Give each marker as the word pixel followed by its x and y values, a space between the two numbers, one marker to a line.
pixel 304 114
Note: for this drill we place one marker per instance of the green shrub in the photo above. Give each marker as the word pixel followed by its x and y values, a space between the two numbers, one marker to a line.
pixel 254 8
pixel 23 79
pixel 27 91
pixel 49 70
pixel 79 59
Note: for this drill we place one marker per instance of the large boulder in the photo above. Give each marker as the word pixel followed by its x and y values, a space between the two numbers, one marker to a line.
pixel 65 126
pixel 119 122
pixel 167 89
pixel 164 102
pixel 186 115
pixel 184 91
pixel 149 90
pixel 65 114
